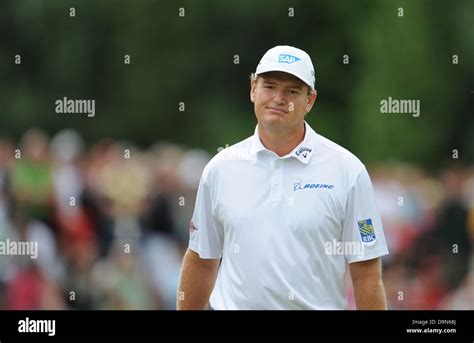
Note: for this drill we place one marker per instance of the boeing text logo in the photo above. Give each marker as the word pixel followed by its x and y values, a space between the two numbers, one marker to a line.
pixel 287 58
pixel 298 186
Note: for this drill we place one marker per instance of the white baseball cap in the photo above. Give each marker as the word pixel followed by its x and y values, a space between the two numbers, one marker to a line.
pixel 290 60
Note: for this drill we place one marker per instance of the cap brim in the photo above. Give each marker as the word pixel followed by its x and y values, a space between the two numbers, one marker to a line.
pixel 279 67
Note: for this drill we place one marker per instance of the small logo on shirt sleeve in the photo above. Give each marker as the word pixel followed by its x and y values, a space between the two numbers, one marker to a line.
pixel 366 230
pixel 192 227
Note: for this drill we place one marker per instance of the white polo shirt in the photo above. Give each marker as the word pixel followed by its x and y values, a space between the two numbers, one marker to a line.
pixel 285 226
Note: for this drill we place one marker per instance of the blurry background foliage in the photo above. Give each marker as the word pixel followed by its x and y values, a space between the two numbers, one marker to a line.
pixel 191 59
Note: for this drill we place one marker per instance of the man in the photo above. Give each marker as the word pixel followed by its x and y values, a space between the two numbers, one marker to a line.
pixel 285 209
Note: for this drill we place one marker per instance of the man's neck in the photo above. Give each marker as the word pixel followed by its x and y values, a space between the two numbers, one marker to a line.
pixel 281 142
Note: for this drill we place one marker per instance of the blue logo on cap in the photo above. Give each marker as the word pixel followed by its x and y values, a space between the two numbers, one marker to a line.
pixel 287 58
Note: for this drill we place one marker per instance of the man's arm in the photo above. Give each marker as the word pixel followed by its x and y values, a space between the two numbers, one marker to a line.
pixel 369 291
pixel 197 280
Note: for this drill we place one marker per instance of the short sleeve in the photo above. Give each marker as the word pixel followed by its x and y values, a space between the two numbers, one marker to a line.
pixel 206 232
pixel 362 226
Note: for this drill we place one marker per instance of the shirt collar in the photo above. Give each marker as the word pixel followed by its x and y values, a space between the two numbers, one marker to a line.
pixel 302 152
pixel 257 144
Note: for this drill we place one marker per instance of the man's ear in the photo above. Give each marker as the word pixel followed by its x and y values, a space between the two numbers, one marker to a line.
pixel 253 85
pixel 312 99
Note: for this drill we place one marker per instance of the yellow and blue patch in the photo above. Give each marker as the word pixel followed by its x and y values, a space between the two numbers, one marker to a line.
pixel 366 230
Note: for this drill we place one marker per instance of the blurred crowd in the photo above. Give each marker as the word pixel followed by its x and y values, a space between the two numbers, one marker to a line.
pixel 111 225
pixel 429 226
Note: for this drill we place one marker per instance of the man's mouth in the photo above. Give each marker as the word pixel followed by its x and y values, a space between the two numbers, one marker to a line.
pixel 276 110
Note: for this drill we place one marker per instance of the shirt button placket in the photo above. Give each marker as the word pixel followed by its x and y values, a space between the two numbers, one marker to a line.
pixel 276 181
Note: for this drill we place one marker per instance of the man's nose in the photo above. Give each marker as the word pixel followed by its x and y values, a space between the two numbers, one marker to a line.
pixel 280 96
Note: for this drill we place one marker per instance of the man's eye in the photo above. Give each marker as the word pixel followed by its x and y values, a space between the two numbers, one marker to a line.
pixel 268 87
pixel 293 92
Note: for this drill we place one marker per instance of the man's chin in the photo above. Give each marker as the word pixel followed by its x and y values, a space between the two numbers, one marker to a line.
pixel 273 122
pixel 274 118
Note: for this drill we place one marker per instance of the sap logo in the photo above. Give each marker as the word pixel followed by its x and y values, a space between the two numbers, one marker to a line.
pixel 298 186
pixel 286 58
pixel 303 151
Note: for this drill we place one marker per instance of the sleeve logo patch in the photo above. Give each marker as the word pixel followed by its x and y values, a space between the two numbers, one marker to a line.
pixel 366 230
pixel 192 227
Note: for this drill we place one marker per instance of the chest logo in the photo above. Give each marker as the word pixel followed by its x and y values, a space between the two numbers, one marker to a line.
pixel 300 186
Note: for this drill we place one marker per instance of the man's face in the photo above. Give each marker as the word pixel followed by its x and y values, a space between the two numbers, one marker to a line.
pixel 281 100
